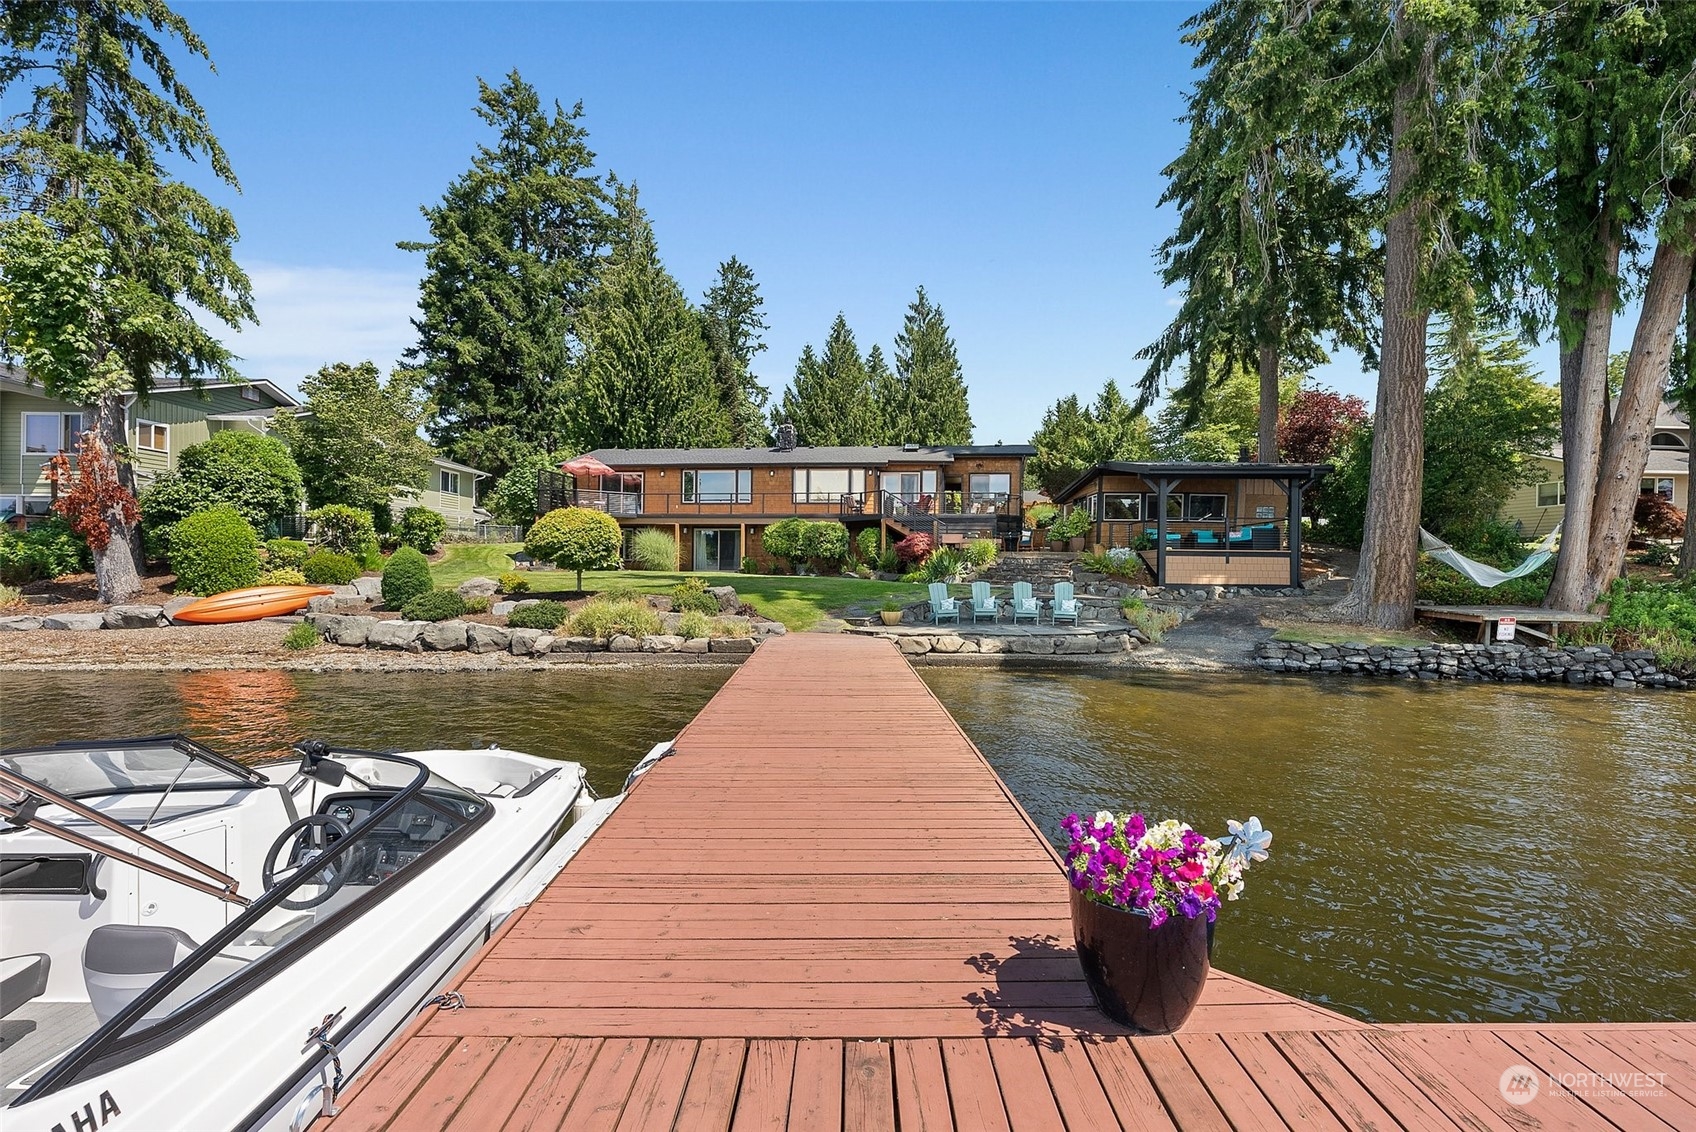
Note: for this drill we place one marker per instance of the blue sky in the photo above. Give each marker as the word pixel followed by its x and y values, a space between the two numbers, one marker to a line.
pixel 1006 156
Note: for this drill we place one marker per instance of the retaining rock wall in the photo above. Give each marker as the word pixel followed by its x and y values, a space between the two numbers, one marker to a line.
pixel 1593 664
pixel 352 631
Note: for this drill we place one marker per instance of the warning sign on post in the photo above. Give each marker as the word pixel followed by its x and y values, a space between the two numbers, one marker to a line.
pixel 1505 628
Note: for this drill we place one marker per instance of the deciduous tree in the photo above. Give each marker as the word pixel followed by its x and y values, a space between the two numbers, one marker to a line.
pixel 108 257
pixel 357 440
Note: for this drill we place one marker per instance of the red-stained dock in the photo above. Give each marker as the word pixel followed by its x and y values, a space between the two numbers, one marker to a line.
pixel 825 911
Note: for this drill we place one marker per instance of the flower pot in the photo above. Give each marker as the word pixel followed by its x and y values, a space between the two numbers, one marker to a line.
pixel 1075 545
pixel 890 617
pixel 1147 979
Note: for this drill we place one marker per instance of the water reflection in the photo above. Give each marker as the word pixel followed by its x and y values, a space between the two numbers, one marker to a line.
pixel 1471 852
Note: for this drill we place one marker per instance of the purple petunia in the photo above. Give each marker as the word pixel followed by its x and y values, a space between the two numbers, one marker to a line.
pixel 1164 870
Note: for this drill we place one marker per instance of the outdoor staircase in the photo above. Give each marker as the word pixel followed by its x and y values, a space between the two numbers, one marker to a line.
pixel 1039 568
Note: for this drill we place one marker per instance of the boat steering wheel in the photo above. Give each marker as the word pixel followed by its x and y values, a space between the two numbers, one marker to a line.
pixel 310 838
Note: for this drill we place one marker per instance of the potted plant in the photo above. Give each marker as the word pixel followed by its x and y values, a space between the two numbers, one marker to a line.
pixel 890 611
pixel 1071 529
pixel 1144 899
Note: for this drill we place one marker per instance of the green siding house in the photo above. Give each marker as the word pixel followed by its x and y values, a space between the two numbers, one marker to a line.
pixel 35 427
pixel 451 491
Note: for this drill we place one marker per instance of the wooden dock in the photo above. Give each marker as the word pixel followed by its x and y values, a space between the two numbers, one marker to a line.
pixel 812 918
pixel 1488 618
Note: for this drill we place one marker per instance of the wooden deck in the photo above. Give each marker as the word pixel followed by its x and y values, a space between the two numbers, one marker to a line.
pixel 810 919
pixel 1486 617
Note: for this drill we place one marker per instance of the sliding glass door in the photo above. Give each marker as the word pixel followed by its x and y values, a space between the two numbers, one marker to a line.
pixel 717 549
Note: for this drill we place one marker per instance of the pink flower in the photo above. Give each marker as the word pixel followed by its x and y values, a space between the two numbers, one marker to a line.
pixel 1203 890
pixel 1190 870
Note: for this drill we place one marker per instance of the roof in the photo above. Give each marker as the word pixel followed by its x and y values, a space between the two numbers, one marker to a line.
pixel 1662 461
pixel 1170 469
pixel 846 456
pixel 14 378
pixel 444 462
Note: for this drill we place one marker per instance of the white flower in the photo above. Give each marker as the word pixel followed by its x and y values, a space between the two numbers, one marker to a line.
pixel 1249 842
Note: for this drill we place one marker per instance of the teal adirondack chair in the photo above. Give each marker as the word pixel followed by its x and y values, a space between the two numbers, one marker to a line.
pixel 1025 603
pixel 984 604
pixel 1065 603
pixel 942 607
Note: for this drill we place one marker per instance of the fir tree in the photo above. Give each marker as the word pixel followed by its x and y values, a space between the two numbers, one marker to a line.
pixel 515 244
pixel 732 319
pixel 894 413
pixel 830 399
pixel 646 378
pixel 931 389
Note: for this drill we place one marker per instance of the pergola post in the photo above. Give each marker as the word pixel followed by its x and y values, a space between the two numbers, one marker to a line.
pixel 1162 487
pixel 1293 489
pixel 1100 525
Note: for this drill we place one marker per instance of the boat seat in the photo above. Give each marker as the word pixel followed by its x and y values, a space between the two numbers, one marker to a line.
pixel 122 960
pixel 22 978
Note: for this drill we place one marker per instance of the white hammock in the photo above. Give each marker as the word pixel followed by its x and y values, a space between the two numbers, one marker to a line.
pixel 1483 573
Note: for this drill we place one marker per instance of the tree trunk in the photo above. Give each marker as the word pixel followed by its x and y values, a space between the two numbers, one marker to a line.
pixel 1383 589
pixel 1625 450
pixel 1687 555
pixel 1269 404
pixel 1584 395
pixel 117 573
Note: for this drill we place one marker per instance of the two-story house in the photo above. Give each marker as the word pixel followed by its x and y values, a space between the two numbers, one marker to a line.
pixel 35 427
pixel 1538 507
pixel 717 501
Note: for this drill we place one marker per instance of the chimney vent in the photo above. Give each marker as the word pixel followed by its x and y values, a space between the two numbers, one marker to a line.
pixel 786 437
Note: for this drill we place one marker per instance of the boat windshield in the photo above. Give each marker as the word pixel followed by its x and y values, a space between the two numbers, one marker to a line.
pixel 86 770
pixel 385 819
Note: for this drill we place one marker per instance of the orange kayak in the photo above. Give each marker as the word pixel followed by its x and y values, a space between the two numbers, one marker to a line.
pixel 250 604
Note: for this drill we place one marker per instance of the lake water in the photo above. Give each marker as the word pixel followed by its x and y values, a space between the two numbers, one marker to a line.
pixel 1440 851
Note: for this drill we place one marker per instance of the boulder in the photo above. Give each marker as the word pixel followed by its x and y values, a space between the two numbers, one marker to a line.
pixel 524 601
pixel 1114 642
pixel 694 644
pixel 946 644
pixel 1072 646
pixel 769 628
pixel 502 608
pixel 728 602
pixel 479 587
pixel 446 636
pixel 368 589
pixel 323 603
pixel 1032 646
pixel 577 644
pixel 992 644
pixel 75 622
pixel 522 642
pixel 177 603
pixel 395 635
pixel 623 643
pixel 661 603
pixel 19 624
pixel 671 622
pixel 135 616
pixel 481 638
pixel 342 629
pixel 741 645
pixel 543 645
pixel 661 642
pixel 914 646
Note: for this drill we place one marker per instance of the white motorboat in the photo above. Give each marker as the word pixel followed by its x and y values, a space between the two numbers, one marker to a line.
pixel 190 943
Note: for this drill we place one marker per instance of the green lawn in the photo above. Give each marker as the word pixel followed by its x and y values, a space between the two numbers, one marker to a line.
pixel 797 602
pixel 1312 634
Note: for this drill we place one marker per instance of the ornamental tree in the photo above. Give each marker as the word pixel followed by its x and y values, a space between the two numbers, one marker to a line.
pixel 576 538
pixel 1317 423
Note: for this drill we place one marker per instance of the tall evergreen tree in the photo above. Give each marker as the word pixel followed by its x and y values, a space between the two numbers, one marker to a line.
pixel 108 257
pixel 646 378
pixel 829 401
pixel 894 415
pixel 931 388
pixel 515 244
pixel 1073 436
pixel 732 318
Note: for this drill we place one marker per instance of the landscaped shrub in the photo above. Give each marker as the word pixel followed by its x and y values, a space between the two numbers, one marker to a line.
pixel 343 529
pixel 783 539
pixel 548 615
pixel 512 582
pixel 1038 516
pixel 49 549
pixel 980 553
pixel 1154 623
pixel 327 568
pixel 301 637
pixel 421 528
pixel 865 545
pixel 478 603
pixel 369 555
pixel 1118 562
pixel 213 551
pixel 692 593
pixel 825 544
pixel 10 597
pixel 285 552
pixel 1073 524
pixel 576 538
pixel 1653 615
pixel 255 474
pixel 694 625
pixel 433 605
pixel 405 577
pixel 653 549
pixel 1656 517
pixel 889 562
pixel 943 565
pixel 281 576
pixel 613 618
pixel 915 548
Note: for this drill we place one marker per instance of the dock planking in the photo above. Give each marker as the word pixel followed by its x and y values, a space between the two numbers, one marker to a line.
pixel 810 919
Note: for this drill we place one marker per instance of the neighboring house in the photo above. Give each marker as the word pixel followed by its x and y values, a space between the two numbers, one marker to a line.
pixel 451 491
pixel 717 501
pixel 34 428
pixel 1539 506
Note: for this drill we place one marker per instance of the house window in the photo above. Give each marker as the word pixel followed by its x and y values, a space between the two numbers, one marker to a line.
pixel 1666 440
pixel 996 486
pixel 1551 494
pixel 1174 505
pixel 1660 487
pixel 249 393
pixel 824 485
pixel 450 482
pixel 152 436
pixel 730 485
pixel 1124 507
pixel 1198 506
pixel 47 433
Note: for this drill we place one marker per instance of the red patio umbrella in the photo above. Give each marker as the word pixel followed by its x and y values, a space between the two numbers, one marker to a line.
pixel 584 466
